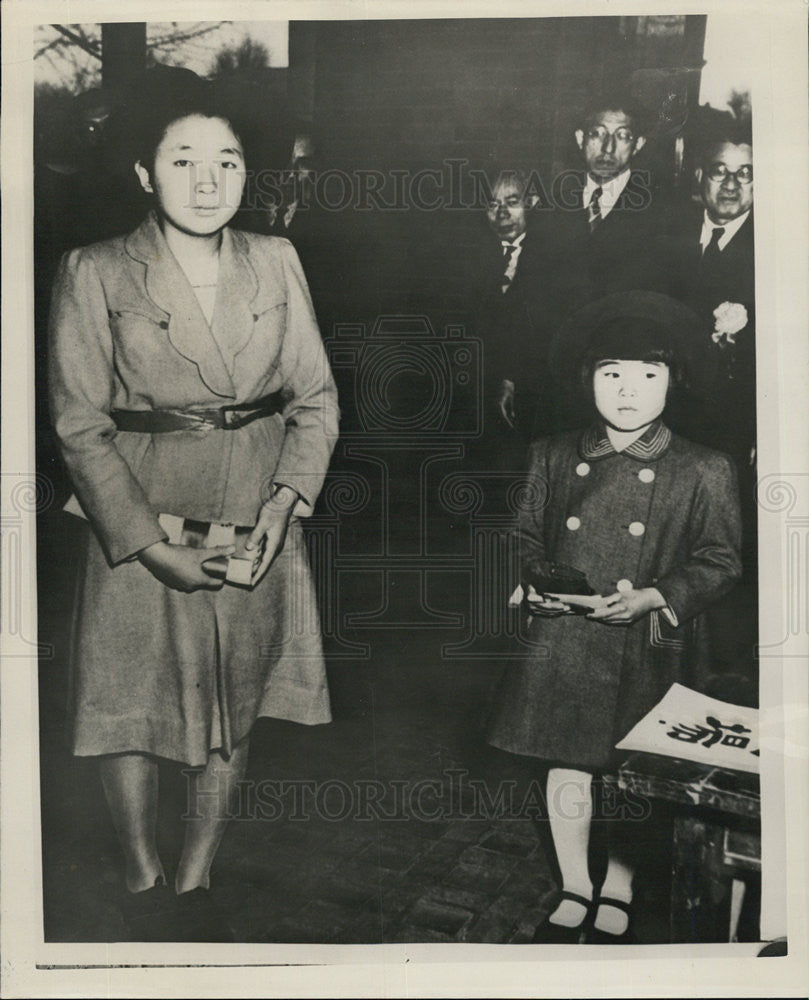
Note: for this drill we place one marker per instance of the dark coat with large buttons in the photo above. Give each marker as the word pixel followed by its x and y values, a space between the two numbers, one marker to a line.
pixel 155 670
pixel 662 513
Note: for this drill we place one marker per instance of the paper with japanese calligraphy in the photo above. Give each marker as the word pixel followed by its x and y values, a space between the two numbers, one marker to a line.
pixel 695 727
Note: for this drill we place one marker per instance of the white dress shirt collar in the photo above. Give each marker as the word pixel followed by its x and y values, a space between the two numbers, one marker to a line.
pixel 515 242
pixel 611 191
pixel 731 228
pixel 511 269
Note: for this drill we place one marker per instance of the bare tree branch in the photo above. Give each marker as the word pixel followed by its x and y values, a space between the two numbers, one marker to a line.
pixel 79 38
pixel 55 43
pixel 178 37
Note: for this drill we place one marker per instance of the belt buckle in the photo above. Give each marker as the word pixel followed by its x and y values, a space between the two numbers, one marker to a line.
pixel 230 418
pixel 206 419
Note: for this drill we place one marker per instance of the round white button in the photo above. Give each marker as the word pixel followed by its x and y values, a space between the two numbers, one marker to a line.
pixel 636 528
pixel 646 475
pixel 623 585
pixel 582 469
pixel 573 523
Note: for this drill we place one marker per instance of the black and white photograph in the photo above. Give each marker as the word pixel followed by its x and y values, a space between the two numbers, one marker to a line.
pixel 407 547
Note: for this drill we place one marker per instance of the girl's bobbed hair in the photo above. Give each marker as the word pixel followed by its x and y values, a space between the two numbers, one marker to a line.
pixel 632 338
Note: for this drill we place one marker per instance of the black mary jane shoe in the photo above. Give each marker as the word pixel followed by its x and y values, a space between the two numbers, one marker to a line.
pixel 595 936
pixel 548 933
pixel 201 918
pixel 150 915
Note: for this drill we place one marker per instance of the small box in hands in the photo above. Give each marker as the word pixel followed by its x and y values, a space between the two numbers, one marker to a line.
pixel 239 569
pixel 559 582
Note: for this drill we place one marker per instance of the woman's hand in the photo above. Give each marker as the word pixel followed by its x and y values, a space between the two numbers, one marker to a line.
pixel 272 524
pixel 627 606
pixel 180 567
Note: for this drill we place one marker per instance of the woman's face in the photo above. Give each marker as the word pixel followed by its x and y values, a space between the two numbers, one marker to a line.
pixel 629 395
pixel 198 175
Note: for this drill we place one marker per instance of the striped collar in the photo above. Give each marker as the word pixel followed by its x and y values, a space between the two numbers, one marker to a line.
pixel 651 445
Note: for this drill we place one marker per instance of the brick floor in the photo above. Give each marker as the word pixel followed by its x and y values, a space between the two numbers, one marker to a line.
pixel 419 855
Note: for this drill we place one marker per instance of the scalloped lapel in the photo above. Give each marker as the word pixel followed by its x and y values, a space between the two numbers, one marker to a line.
pixel 165 283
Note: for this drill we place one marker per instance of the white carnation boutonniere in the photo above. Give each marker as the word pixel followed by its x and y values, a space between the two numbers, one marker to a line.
pixel 729 319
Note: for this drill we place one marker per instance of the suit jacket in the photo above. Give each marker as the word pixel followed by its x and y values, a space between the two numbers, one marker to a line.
pixel 623 253
pixel 127 332
pixel 724 416
pixel 516 326
pixel 728 277
pixel 663 513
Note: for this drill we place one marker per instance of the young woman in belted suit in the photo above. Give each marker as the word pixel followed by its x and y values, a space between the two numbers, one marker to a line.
pixel 651 522
pixel 196 414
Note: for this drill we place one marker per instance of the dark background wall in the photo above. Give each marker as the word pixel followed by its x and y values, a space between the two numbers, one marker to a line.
pixel 402 98
pixel 495 93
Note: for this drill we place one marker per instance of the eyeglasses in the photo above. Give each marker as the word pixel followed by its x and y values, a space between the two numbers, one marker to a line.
pixel 719 172
pixel 598 133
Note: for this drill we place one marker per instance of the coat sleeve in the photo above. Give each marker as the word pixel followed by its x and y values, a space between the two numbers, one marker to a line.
pixel 712 562
pixel 312 415
pixel 81 385
pixel 531 519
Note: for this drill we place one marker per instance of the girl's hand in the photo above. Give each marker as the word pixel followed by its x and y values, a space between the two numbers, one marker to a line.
pixel 272 524
pixel 545 607
pixel 180 567
pixel 627 606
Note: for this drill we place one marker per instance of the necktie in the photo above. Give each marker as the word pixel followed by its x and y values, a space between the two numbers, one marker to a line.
pixel 712 251
pixel 594 208
pixel 508 253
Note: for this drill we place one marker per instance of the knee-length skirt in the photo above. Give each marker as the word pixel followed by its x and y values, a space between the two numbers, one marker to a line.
pixel 177 675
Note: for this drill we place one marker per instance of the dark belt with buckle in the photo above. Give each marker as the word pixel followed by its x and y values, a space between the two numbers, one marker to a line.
pixel 223 418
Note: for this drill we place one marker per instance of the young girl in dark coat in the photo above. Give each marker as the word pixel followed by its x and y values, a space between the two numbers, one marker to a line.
pixel 651 521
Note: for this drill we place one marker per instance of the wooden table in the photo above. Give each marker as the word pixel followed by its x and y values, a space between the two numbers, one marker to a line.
pixel 717 843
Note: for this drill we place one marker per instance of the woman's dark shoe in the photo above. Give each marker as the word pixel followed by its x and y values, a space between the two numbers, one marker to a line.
pixel 201 918
pixel 548 933
pixel 151 915
pixel 595 936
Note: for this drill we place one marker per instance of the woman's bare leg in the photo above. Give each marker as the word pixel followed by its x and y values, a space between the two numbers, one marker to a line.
pixel 570 812
pixel 131 784
pixel 212 796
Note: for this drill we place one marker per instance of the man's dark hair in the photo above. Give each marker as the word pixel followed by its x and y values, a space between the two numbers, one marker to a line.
pixel 736 133
pixel 616 100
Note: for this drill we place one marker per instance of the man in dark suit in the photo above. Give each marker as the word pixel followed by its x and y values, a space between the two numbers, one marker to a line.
pixel 607 222
pixel 713 267
pixel 714 271
pixel 506 272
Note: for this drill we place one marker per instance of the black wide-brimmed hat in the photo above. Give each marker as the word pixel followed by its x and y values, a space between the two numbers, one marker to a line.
pixel 630 325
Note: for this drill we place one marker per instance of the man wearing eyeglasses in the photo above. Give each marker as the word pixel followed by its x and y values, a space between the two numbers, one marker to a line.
pixel 609 141
pixel 721 267
pixel 607 230
pixel 608 220
pixel 714 272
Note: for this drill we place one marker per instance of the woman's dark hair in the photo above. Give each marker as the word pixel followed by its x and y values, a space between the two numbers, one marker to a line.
pixel 168 94
pixel 633 339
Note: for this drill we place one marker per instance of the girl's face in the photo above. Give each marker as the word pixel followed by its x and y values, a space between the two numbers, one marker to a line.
pixel 629 395
pixel 198 175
